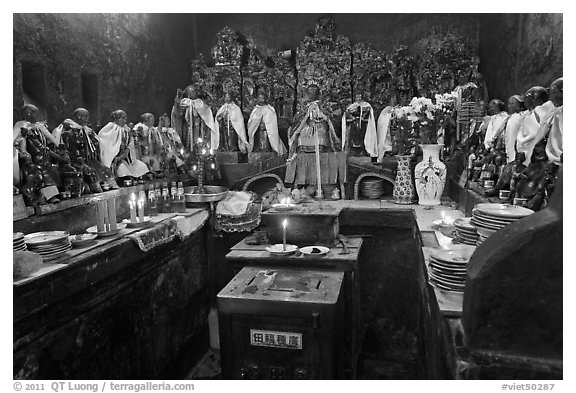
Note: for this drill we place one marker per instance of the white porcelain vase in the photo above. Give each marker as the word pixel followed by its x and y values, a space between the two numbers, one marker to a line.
pixel 430 176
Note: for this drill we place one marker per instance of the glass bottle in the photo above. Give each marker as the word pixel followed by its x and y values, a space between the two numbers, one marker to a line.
pixel 152 202
pixel 181 198
pixel 166 202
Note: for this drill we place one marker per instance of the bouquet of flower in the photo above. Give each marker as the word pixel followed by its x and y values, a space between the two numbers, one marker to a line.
pixel 404 138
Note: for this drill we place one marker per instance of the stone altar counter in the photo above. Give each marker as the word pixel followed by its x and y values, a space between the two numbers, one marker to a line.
pixel 115 312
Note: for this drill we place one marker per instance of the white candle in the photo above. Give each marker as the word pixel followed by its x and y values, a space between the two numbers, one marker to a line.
pixel 284 224
pixel 132 203
pixel 140 210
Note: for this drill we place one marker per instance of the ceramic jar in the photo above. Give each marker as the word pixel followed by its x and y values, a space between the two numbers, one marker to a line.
pixel 430 176
pixel 403 185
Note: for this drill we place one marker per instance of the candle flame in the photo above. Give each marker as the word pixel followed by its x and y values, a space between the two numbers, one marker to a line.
pixel 199 140
pixel 203 151
pixel 284 223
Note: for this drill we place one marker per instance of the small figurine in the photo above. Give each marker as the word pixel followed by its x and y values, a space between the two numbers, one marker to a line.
pixel 173 147
pixel 505 180
pixel 151 144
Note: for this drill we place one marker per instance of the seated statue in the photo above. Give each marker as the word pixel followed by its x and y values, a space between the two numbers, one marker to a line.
pixel 82 144
pixel 116 146
pixel 263 133
pixel 192 118
pixel 505 137
pixel 39 153
pixel 172 144
pixel 539 109
pixel 312 127
pixel 496 117
pixel 531 183
pixel 359 129
pixel 230 127
pixel 150 143
pixel 505 179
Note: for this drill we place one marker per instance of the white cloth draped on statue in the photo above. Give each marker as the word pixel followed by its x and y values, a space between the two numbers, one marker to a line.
pixel 526 139
pixel 511 133
pixel 554 144
pixel 370 137
pixel 235 115
pixel 494 124
pixel 199 106
pixel 38 125
pixel 267 114
pixel 383 127
pixel 110 138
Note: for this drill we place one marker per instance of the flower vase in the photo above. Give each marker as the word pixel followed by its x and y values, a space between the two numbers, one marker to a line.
pixel 430 176
pixel 403 186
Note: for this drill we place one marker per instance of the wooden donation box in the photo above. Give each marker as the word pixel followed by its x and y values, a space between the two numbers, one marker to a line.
pixel 312 225
pixel 281 324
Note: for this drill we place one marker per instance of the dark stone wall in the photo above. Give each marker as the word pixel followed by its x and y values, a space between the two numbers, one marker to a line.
pixel 274 32
pixel 139 60
pixel 519 51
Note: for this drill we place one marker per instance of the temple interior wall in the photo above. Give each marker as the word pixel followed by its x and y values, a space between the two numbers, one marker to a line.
pixel 136 61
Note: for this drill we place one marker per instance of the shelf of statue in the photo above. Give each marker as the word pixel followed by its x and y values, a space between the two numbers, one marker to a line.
pixel 117 147
pixel 230 127
pixel 359 135
pixel 41 159
pixel 192 117
pixel 262 130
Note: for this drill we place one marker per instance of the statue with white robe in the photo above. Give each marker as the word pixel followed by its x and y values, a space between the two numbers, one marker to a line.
pixel 263 128
pixel 193 119
pixel 230 127
pixel 539 109
pixel 359 134
pixel 117 146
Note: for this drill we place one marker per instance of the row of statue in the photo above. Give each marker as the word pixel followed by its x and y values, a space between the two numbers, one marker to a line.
pixel 520 149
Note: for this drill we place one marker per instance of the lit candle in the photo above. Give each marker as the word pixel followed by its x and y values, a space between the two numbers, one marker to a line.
pixel 132 203
pixel 141 200
pixel 199 140
pixel 203 151
pixel 140 210
pixel 284 224
pixel 182 151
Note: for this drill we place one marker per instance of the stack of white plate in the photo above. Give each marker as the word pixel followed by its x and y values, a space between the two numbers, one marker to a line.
pixel 490 217
pixel 18 243
pixel 447 268
pixel 466 233
pixel 50 245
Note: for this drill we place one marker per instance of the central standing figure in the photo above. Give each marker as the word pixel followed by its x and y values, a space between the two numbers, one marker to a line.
pixel 313 122
pixel 192 118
